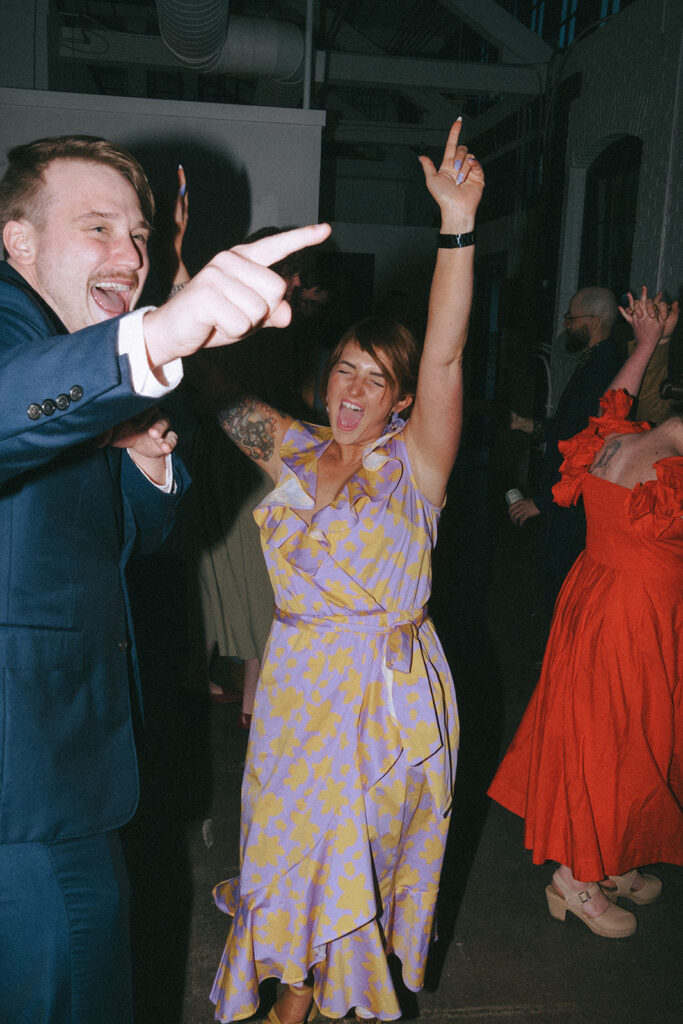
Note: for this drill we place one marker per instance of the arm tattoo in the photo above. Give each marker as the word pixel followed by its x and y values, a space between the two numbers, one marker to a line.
pixel 607 454
pixel 251 425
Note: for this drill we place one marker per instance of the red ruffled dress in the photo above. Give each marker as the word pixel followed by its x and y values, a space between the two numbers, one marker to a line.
pixel 595 768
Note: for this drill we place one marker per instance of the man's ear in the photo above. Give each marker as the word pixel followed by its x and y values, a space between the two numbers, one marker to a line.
pixel 19 239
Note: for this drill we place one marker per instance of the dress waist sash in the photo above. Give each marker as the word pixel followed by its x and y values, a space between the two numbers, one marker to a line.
pixel 416 697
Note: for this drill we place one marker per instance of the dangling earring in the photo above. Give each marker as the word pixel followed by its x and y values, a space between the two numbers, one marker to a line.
pixel 393 419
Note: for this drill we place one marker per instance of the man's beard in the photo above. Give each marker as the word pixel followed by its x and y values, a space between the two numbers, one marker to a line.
pixel 577 341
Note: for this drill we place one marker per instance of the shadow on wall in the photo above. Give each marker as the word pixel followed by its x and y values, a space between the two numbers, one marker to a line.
pixel 464 561
pixel 173 742
pixel 176 783
pixel 219 205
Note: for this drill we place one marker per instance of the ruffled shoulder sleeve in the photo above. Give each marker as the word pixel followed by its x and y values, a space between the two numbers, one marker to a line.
pixel 300 451
pixel 580 451
pixel 656 504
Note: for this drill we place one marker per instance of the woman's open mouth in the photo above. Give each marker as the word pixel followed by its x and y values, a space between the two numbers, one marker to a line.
pixel 349 415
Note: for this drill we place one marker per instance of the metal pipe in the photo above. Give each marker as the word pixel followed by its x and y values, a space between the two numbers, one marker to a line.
pixel 308 55
pixel 200 35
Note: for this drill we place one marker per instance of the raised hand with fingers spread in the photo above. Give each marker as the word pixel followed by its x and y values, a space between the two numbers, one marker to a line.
pixel 651 319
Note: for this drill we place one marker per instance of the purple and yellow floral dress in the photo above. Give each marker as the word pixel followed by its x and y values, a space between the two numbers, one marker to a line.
pixel 351 761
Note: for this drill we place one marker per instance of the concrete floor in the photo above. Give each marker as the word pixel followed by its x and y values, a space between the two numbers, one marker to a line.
pixel 499 957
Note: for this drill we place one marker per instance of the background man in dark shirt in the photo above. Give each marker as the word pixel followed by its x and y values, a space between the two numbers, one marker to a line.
pixel 589 326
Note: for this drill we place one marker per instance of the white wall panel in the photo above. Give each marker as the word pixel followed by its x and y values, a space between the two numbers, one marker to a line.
pixel 247 167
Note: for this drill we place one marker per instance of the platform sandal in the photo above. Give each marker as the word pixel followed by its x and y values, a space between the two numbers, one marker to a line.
pixel 650 890
pixel 613 923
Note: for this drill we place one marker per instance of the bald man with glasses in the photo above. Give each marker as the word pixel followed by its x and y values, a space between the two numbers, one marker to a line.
pixel 589 328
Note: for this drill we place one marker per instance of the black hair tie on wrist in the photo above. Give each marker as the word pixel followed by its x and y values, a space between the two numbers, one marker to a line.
pixel 456 241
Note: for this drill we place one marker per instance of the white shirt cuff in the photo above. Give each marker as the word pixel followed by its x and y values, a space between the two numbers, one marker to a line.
pixel 132 344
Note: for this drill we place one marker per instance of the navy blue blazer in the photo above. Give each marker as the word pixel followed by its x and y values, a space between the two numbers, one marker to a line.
pixel 71 513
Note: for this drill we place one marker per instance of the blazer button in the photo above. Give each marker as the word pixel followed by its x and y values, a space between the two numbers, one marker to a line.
pixel 123 645
pixel 75 392
pixel 34 412
pixel 62 402
pixel 48 406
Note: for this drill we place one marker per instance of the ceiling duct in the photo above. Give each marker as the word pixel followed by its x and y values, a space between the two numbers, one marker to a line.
pixel 195 32
pixel 204 39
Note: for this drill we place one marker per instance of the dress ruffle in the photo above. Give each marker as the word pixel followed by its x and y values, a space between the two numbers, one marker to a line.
pixel 653 505
pixel 579 451
pixel 306 548
pixel 405 929
pixel 301 450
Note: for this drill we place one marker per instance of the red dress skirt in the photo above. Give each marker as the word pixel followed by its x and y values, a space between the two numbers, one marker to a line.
pixel 595 768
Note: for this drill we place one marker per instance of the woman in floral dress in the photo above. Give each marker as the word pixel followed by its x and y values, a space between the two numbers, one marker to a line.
pixel 351 760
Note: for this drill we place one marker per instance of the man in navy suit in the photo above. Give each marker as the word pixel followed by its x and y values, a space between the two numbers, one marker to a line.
pixel 84 479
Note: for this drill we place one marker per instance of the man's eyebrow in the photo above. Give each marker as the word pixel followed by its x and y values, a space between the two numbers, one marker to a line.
pixel 95 213
pixel 104 215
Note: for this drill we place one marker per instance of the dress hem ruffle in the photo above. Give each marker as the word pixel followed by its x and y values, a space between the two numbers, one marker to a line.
pixel 408 921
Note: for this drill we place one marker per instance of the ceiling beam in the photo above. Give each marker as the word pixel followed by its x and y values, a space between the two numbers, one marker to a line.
pixel 472 129
pixel 437 109
pixel 460 77
pixel 417 137
pixel 503 30
pixel 386 134
pixel 332 68
pixel 111 47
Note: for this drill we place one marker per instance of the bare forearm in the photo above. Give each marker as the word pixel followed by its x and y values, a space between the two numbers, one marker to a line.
pixel 630 376
pixel 433 432
pixel 450 303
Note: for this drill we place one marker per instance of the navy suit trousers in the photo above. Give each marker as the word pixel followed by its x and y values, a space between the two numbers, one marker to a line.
pixel 64 951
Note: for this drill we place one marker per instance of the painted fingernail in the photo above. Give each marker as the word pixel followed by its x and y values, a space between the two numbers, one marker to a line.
pixel 182 190
pixel 457 164
pixel 459 180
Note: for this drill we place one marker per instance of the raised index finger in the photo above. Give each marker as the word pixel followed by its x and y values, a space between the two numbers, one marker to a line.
pixel 274 248
pixel 452 144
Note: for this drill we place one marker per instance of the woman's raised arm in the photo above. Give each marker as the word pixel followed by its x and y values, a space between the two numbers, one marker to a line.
pixel 434 429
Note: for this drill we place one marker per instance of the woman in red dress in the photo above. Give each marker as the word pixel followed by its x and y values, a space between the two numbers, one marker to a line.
pixel 596 766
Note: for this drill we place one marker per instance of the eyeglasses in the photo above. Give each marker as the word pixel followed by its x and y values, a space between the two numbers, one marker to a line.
pixel 581 316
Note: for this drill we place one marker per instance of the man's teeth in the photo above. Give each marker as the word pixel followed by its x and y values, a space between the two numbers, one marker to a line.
pixel 114 286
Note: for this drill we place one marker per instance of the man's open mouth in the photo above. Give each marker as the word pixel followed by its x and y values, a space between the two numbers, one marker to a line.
pixel 114 297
